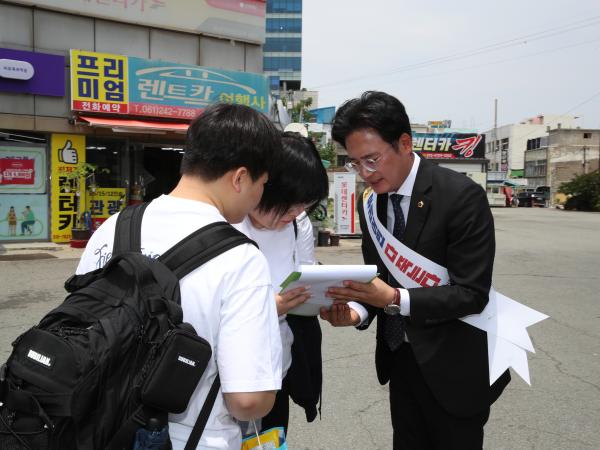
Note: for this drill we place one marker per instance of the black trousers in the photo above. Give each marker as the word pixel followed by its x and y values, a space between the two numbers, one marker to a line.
pixel 419 421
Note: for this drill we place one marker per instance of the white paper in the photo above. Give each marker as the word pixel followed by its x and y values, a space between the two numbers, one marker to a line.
pixel 320 278
pixel 506 322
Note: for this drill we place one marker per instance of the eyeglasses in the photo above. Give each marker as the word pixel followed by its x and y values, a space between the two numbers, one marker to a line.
pixel 369 164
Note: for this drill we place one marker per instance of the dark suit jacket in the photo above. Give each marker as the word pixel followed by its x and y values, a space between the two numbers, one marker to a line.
pixel 454 228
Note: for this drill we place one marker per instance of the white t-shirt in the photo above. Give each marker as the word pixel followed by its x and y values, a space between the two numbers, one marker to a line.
pixel 305 242
pixel 279 247
pixel 229 301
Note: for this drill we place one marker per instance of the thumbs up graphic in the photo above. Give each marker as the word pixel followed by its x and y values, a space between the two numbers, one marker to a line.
pixel 68 154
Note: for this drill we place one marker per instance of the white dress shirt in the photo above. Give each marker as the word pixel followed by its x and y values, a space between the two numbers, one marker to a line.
pixel 406 191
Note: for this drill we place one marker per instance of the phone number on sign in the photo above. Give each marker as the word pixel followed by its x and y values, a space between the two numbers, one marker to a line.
pixel 162 110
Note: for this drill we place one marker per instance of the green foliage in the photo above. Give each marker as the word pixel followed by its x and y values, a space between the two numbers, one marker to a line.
pixel 583 192
pixel 299 112
pixel 328 152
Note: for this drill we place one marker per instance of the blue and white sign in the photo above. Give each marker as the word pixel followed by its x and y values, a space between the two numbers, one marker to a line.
pixel 164 89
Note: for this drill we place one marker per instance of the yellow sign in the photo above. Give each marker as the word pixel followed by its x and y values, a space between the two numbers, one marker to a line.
pixel 68 151
pixel 99 82
pixel 104 202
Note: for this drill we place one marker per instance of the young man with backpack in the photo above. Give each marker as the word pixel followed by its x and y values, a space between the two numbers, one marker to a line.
pixel 229 299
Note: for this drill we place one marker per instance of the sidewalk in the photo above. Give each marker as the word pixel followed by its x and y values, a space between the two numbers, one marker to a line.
pixel 38 250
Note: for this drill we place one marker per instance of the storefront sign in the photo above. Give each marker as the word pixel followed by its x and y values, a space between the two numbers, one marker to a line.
pixel 231 19
pixel 104 202
pixel 68 150
pixel 164 89
pixel 22 170
pixel 99 82
pixel 17 171
pixel 23 217
pixel 32 73
pixel 15 69
pixel 449 145
pixel 344 202
pixel 115 84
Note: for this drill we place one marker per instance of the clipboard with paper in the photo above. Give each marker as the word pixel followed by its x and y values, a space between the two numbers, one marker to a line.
pixel 320 278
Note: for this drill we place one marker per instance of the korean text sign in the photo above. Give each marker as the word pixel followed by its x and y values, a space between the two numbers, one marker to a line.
pixel 68 150
pixel 449 145
pixel 104 202
pixel 344 202
pixel 158 88
pixel 98 82
pixel 23 170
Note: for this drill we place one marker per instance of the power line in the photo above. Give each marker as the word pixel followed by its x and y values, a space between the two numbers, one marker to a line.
pixel 521 40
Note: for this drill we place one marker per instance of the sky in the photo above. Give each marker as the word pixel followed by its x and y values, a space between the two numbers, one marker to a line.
pixel 451 59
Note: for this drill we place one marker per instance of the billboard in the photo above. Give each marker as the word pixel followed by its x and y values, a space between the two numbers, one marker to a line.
pixel 231 19
pixel 449 145
pixel 117 84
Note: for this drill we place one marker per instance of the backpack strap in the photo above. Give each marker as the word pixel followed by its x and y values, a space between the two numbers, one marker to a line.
pixel 128 231
pixel 201 246
pixel 198 429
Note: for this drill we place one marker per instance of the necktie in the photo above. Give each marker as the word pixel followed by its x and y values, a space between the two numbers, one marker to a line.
pixel 394 325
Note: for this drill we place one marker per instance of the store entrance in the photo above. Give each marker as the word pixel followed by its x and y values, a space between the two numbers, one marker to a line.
pixel 161 169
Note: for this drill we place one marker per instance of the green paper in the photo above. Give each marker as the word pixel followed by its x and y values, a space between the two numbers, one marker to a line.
pixel 294 276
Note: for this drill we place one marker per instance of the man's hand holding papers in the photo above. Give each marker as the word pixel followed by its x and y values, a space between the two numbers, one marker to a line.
pixel 320 278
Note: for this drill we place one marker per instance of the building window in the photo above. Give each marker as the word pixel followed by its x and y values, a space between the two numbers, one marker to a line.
pixel 277 25
pixel 283 63
pixel 284 6
pixel 283 44
pixel 535 168
pixel 587 135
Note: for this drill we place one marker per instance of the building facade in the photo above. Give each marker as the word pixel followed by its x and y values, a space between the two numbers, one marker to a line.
pixel 95 101
pixel 506 145
pixel 560 156
pixel 283 45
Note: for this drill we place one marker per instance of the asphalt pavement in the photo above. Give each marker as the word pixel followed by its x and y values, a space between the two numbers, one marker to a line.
pixel 546 258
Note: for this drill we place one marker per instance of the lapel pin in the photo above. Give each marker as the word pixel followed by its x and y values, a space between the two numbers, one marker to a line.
pixel 420 204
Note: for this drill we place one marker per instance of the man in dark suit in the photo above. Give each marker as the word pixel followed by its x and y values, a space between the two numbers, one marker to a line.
pixel 437 365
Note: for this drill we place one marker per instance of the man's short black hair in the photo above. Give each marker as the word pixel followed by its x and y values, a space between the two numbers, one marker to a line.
pixel 225 137
pixel 375 110
pixel 297 176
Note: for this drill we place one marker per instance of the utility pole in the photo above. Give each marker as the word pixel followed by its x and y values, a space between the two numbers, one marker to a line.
pixel 495 132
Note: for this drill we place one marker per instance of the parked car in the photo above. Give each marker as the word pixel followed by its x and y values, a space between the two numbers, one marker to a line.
pixel 531 197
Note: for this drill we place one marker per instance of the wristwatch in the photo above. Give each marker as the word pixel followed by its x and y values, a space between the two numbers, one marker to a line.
pixel 393 308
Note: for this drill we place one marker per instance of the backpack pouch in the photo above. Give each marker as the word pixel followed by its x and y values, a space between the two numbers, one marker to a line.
pixel 181 360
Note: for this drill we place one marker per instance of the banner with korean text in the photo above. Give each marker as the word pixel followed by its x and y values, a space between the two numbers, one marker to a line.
pixel 449 145
pixel 67 152
pixel 344 202
pixel 230 19
pixel 104 202
pixel 115 84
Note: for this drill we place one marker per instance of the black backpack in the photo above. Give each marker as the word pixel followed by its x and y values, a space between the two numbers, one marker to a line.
pixel 115 353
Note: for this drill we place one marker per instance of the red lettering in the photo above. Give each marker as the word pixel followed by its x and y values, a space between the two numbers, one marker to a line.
pixel 419 278
pixel 390 252
pixel 435 280
pixel 414 273
pixel 406 264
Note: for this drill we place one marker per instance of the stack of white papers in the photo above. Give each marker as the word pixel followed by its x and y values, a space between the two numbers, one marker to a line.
pixel 320 278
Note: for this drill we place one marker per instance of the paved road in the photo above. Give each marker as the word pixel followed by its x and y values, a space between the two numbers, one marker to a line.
pixel 547 259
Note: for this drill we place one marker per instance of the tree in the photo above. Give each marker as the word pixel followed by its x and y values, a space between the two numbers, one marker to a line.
pixel 583 192
pixel 299 112
pixel 328 152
